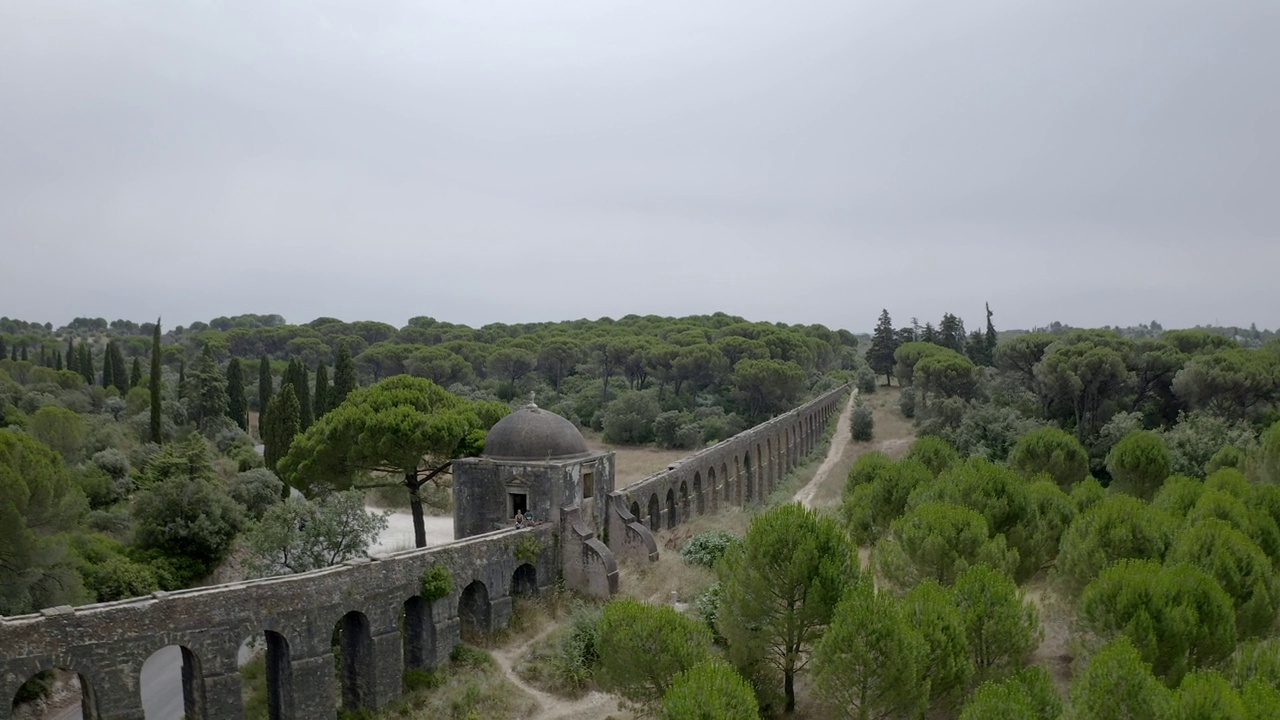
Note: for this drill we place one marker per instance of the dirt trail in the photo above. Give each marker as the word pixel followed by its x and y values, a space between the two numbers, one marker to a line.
pixel 592 706
pixel 839 441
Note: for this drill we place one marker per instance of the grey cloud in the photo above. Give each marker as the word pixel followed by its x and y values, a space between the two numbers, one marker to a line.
pixel 1093 162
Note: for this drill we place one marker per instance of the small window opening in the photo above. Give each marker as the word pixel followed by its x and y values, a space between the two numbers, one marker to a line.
pixel 588 483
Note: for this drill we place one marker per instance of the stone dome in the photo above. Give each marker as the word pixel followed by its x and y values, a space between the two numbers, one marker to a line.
pixel 534 434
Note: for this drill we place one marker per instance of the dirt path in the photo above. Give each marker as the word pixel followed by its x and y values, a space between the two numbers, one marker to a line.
pixel 838 443
pixel 592 706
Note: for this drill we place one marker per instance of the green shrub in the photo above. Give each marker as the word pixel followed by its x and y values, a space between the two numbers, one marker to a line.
pixel 419 679
pixel 862 423
pixel 471 656
pixel 705 548
pixel 436 583
pixel 907 402
pixel 866 381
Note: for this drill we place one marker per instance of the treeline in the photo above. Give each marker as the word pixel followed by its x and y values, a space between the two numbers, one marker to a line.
pixel 716 373
pixel 1197 388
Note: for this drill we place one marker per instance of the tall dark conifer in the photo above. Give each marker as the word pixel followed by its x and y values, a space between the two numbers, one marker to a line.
pixel 320 400
pixel 237 403
pixel 135 373
pixel 182 376
pixel 990 338
pixel 120 376
pixel 85 363
pixel 264 393
pixel 282 425
pixel 883 342
pixel 73 357
pixel 13 353
pixel 57 361
pixel 108 365
pixel 155 384
pixel 344 377
pixel 3 348
pixel 23 355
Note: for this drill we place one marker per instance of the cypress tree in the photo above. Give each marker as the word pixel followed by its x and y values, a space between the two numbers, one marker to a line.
pixel 108 365
pixel 320 403
pixel 57 361
pixel 990 338
pixel 135 373
pixel 23 355
pixel 72 355
pixel 121 376
pixel 155 383
pixel 13 353
pixel 344 377
pixel 299 378
pixel 208 388
pixel 182 376
pixel 264 393
pixel 85 362
pixel 282 425
pixel 237 403
pixel 3 350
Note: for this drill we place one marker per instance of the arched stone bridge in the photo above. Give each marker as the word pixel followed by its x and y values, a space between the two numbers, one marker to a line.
pixel 368 617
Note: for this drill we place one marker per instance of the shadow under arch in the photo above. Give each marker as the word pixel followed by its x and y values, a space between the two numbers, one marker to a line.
pixel 272 683
pixel 41 685
pixel 524 581
pixel 474 611
pixel 353 643
pixel 418 631
pixel 671 508
pixel 655 513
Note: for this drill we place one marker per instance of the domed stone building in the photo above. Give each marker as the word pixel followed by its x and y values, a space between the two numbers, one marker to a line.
pixel 534 462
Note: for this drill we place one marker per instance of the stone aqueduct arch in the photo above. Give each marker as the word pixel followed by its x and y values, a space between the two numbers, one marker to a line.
pixel 385 628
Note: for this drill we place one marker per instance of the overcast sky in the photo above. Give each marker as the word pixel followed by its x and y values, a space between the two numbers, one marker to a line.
pixel 1089 161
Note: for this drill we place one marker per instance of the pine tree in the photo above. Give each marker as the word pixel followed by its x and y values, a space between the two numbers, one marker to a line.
pixel 264 394
pixel 72 356
pixel 135 373
pixel 951 333
pixel 883 343
pixel 282 425
pixel 155 384
pixel 85 363
pixel 344 377
pixel 928 334
pixel 237 403
pixel 320 403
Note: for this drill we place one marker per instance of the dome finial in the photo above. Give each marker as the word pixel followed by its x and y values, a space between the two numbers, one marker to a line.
pixel 532 405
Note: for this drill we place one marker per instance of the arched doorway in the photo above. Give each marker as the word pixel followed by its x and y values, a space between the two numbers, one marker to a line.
pixel 671 508
pixel 724 473
pixel 524 582
pixel 684 500
pixel 353 644
pixel 711 487
pixel 737 480
pixel 172 684
pixel 418 629
pixel 635 511
pixel 655 513
pixel 266 674
pixel 699 502
pixel 473 611
pixel 37 690
pixel 749 480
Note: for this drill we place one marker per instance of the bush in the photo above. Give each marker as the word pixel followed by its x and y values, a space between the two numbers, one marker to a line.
pixel 418 679
pixel 256 490
pixel 630 418
pixel 1140 462
pixel 437 583
pixel 98 487
pixel 866 381
pixel 705 548
pixel 862 423
pixel 907 402
pixel 471 656
pixel 710 690
pixel 113 462
pixel 566 665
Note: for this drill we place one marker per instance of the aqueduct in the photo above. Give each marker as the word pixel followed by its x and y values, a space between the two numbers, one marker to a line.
pixel 369 618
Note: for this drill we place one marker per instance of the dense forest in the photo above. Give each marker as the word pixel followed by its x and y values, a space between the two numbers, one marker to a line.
pixel 1128 479
pixel 127 454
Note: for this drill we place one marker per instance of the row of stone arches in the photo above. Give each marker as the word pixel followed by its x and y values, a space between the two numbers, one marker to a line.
pixel 753 475
pixel 172 682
